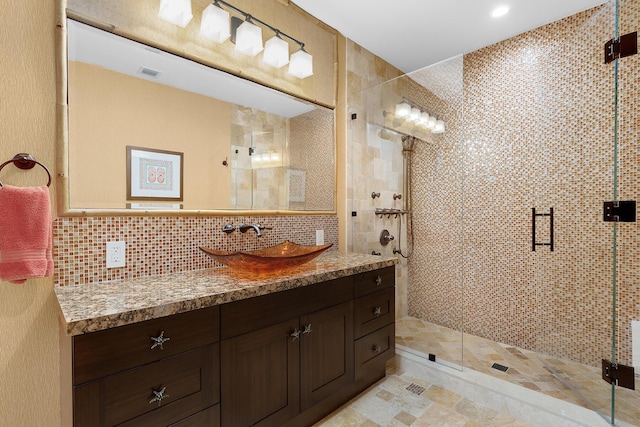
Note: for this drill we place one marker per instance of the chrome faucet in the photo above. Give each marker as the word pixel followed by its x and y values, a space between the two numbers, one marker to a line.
pixel 257 227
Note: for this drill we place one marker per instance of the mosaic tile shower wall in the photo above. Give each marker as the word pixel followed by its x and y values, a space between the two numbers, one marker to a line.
pixel 162 245
pixel 538 132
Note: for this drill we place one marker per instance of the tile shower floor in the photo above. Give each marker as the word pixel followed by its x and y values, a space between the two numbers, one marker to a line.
pixel 389 403
pixel 400 400
pixel 526 368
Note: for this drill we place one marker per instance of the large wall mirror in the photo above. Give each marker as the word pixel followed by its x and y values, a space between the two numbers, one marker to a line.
pixel 151 131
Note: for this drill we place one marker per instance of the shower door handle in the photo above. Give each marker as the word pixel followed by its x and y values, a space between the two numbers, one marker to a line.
pixel 534 215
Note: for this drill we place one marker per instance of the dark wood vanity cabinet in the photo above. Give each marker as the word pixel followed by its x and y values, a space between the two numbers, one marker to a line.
pixel 330 342
pixel 283 359
pixel 272 372
pixel 159 372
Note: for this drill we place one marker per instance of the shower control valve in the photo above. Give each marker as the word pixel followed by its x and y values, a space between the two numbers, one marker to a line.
pixel 385 237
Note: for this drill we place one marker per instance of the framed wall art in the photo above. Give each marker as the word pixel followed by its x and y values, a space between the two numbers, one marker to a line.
pixel 154 174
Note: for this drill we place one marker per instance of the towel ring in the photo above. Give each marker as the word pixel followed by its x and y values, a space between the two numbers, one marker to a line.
pixel 25 161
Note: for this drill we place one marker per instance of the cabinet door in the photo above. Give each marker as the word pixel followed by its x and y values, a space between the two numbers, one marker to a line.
pixel 326 353
pixel 261 377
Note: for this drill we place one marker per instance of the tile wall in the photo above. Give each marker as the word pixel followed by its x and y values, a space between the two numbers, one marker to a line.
pixel 162 245
pixel 374 164
pixel 529 125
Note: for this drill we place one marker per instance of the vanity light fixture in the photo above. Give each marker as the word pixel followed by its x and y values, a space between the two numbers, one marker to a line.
pixel 217 24
pixel 177 12
pixel 413 115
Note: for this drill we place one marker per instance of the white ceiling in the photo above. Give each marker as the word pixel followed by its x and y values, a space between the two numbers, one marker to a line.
pixel 411 34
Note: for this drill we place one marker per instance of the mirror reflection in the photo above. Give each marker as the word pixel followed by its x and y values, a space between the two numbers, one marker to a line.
pixel 201 139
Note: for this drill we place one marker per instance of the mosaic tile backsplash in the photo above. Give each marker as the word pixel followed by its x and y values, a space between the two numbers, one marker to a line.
pixel 162 245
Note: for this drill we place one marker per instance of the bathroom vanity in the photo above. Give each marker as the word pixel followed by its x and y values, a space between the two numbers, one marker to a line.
pixel 241 351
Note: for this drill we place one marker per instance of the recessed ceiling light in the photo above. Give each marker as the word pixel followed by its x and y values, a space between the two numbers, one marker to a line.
pixel 500 11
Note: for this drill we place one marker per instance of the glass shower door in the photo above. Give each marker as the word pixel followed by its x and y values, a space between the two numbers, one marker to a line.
pixel 392 151
pixel 579 106
pixel 625 328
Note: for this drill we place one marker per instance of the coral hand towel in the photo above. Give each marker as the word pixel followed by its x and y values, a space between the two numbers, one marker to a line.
pixel 25 233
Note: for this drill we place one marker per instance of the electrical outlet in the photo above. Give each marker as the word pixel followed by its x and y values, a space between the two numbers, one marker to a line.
pixel 116 254
pixel 319 237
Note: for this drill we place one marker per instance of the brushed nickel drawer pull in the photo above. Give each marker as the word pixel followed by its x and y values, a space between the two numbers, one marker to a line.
pixel 159 341
pixel 377 311
pixel 378 281
pixel 376 348
pixel 307 329
pixel 158 396
pixel 295 334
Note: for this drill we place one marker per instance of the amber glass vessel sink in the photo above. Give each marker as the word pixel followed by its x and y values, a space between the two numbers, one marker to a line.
pixel 274 258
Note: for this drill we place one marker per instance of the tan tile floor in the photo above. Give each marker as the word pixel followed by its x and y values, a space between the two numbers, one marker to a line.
pixel 582 384
pixel 389 403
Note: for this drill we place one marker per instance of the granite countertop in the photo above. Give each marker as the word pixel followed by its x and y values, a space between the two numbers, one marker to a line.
pixel 88 308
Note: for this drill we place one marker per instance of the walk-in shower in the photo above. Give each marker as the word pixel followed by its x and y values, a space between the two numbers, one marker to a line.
pixel 535 124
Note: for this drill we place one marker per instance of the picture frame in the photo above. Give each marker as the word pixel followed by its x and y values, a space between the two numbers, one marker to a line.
pixel 154 174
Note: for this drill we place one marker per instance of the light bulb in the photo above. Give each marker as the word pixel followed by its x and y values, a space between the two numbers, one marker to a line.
pixel 215 24
pixel 275 156
pixel 249 39
pixel 439 127
pixel 415 115
pixel 424 119
pixel 301 64
pixel 500 11
pixel 276 52
pixel 177 12
pixel 403 110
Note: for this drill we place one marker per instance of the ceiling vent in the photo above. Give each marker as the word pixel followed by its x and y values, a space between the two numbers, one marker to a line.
pixel 149 72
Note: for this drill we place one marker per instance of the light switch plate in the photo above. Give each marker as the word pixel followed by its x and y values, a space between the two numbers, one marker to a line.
pixel 319 237
pixel 116 254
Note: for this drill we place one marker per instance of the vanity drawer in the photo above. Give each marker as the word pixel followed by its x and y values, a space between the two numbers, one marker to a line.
pixel 209 417
pixel 373 281
pixel 241 317
pixel 374 311
pixel 102 353
pixel 190 382
pixel 373 350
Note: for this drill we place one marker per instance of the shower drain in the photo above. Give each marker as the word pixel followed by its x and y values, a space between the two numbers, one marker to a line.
pixel 500 367
pixel 415 388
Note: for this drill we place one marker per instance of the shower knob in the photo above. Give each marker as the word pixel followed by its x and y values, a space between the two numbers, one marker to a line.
pixel 385 237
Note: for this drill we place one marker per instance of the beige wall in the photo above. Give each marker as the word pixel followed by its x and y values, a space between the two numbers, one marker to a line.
pixel 109 111
pixel 29 348
pixel 34 358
